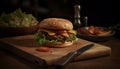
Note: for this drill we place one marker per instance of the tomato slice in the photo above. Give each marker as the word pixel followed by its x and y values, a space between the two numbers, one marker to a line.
pixel 61 31
pixel 43 49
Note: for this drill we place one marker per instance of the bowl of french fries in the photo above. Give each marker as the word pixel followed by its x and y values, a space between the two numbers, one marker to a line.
pixel 95 33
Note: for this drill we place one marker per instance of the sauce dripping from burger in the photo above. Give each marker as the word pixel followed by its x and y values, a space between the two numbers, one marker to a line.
pixel 43 49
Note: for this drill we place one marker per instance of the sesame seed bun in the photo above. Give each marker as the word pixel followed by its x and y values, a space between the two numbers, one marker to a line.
pixel 56 23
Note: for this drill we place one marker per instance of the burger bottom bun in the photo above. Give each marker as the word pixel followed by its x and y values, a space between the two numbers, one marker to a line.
pixel 59 44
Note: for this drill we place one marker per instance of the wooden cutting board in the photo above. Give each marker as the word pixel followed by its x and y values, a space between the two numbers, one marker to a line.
pixel 25 46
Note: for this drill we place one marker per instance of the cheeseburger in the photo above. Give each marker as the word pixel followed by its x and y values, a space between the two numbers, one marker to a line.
pixel 55 32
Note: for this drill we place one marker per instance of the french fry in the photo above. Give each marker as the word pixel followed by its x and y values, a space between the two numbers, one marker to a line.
pixel 98 30
pixel 105 33
pixel 91 29
pixel 84 31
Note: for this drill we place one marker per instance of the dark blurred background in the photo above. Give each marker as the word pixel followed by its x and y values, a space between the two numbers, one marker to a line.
pixel 99 12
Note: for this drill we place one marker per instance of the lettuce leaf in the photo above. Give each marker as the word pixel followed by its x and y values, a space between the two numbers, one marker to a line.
pixel 42 39
pixel 17 19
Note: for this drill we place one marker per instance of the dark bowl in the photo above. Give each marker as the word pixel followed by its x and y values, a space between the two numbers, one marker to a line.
pixel 18 31
pixel 96 38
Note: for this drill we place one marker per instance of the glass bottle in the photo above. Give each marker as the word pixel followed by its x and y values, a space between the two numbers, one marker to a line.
pixel 77 22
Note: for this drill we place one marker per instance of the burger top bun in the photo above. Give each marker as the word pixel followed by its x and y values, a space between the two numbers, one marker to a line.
pixel 56 23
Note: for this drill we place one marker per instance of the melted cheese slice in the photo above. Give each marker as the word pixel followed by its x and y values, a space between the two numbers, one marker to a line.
pixel 72 31
pixel 49 32
pixel 65 34
pixel 53 33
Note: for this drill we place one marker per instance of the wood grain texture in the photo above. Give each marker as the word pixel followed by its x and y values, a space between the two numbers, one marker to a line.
pixel 25 46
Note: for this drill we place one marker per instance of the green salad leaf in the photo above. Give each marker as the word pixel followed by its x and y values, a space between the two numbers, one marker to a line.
pixel 17 19
pixel 42 39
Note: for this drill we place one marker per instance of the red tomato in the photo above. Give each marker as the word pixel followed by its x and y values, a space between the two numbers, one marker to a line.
pixel 61 31
pixel 43 49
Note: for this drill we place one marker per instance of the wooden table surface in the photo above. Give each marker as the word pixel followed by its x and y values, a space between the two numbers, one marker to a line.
pixel 11 61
